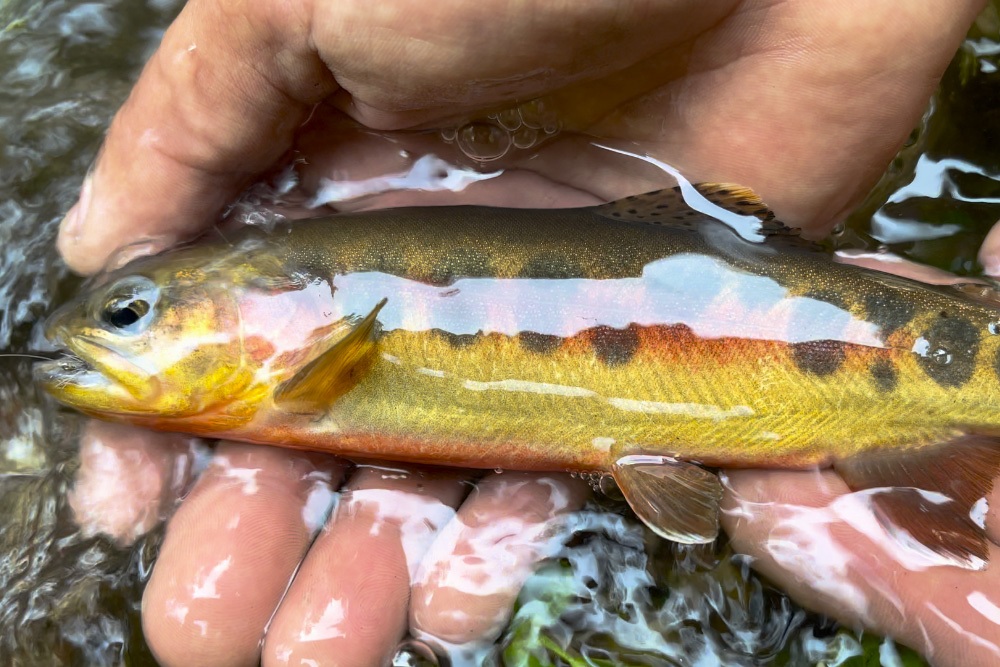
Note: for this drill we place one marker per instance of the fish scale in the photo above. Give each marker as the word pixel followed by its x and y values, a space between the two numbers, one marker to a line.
pixel 643 338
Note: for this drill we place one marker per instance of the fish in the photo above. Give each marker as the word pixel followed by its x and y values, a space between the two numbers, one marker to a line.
pixel 651 338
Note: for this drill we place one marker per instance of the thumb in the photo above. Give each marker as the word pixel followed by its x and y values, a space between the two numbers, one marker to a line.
pixel 218 103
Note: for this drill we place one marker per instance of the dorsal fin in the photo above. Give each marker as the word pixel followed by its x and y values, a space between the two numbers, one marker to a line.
pixel 668 207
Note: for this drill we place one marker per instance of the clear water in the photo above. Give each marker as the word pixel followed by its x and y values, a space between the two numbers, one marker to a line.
pixel 611 594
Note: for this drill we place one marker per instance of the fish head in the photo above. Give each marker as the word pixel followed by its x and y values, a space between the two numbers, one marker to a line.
pixel 161 340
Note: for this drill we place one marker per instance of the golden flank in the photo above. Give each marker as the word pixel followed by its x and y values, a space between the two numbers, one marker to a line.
pixel 653 338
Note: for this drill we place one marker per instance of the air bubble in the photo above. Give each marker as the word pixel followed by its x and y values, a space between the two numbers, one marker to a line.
pixel 838 230
pixel 414 653
pixel 994 328
pixel 448 134
pixel 483 141
pixel 509 120
pixel 607 486
pixel 498 471
pixel 535 114
pixel 526 137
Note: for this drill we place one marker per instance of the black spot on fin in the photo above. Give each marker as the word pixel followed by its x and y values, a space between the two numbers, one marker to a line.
pixel 335 371
pixel 668 207
pixel 939 495
pixel 679 501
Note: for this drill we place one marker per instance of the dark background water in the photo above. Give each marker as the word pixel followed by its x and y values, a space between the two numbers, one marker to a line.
pixel 67 599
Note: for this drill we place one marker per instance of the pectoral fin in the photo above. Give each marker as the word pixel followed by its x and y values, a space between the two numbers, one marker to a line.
pixel 938 494
pixel 330 375
pixel 678 501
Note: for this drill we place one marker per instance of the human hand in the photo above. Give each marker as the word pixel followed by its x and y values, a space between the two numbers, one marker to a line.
pixel 805 102
pixel 824 546
pixel 404 553
pixel 802 101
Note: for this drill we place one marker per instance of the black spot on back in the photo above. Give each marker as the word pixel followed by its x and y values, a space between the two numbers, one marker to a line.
pixel 888 310
pixel 819 357
pixel 613 346
pixel 884 375
pixel 952 346
pixel 538 342
pixel 458 340
pixel 552 265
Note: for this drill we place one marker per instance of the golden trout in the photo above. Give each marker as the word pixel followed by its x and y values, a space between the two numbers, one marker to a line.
pixel 642 338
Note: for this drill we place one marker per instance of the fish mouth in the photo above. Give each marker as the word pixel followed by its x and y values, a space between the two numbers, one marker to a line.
pixel 69 369
pixel 86 368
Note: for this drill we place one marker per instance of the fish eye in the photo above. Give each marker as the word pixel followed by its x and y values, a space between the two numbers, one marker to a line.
pixel 129 306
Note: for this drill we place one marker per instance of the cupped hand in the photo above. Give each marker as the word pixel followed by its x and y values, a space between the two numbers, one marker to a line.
pixel 293 558
pixel 804 101
pixel 825 547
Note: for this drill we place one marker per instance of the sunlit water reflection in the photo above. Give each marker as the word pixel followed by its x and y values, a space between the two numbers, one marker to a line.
pixel 610 592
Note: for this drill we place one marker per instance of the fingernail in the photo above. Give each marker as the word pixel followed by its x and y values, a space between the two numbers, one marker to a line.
pixel 72 224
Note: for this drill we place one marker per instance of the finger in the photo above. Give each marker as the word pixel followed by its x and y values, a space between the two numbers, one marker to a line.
pixel 347 604
pixel 230 551
pixel 127 479
pixel 468 582
pixel 824 546
pixel 989 253
pixel 828 92
pixel 217 103
pixel 900 266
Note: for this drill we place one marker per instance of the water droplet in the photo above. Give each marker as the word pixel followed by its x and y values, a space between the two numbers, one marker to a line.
pixel 525 137
pixel 509 120
pixel 483 141
pixel 414 653
pixel 941 356
pixel 994 328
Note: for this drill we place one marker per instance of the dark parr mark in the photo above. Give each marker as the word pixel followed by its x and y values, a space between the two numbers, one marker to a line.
pixel 819 357
pixel 949 356
pixel 613 346
pixel 460 262
pixel 457 340
pixel 889 311
pixel 383 259
pixel 884 375
pixel 539 343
